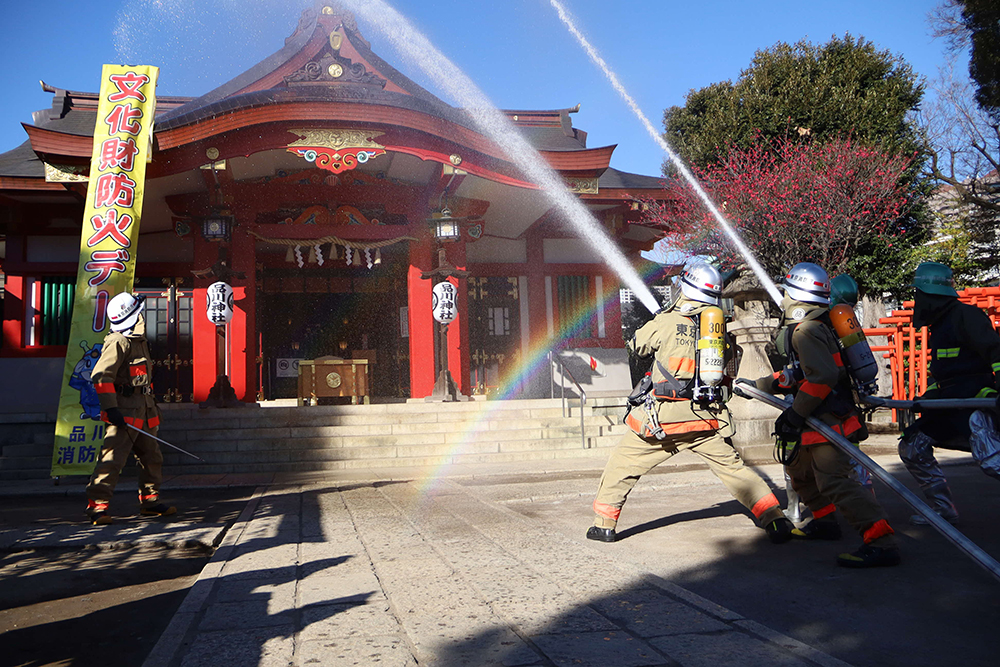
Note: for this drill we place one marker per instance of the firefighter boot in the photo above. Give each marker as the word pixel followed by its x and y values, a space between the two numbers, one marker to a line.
pixel 780 530
pixel 870 556
pixel 97 513
pixel 603 530
pixel 818 529
pixel 939 498
pixel 150 505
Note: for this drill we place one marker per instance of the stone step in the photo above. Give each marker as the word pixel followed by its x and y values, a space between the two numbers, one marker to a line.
pixel 24 418
pixel 399 423
pixel 512 449
pixel 306 418
pixel 30 449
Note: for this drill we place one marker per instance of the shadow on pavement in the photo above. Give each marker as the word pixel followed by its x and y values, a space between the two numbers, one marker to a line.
pixel 937 608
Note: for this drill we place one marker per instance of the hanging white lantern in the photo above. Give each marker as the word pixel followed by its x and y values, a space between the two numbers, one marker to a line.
pixel 220 303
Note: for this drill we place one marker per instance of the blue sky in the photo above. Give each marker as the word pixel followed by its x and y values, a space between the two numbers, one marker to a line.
pixel 516 50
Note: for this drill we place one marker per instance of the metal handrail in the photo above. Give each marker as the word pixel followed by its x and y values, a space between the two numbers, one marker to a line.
pixel 563 372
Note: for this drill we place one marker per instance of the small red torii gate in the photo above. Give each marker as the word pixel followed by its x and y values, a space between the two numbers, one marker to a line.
pixel 906 346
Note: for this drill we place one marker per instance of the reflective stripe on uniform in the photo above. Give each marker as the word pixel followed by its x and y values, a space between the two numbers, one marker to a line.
pixel 674 428
pixel 607 510
pixel 838 360
pixel 100 505
pixel 134 422
pixel 153 422
pixel 819 391
pixel 691 426
pixel 948 352
pixel 880 528
pixel 824 511
pixel 135 371
pixel 764 504
pixel 996 367
pixel 637 426
pixel 683 364
pixel 104 387
pixel 850 425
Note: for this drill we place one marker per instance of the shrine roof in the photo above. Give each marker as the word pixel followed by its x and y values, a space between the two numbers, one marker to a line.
pixel 21 162
pixel 299 73
pixel 613 179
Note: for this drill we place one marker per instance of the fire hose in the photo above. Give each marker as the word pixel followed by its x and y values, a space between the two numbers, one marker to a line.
pixel 164 442
pixel 933 403
pixel 746 389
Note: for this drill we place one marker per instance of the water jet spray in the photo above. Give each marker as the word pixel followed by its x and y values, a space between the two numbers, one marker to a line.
pixel 758 270
pixel 410 42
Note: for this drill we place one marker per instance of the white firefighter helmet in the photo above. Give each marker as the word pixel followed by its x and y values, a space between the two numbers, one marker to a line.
pixel 703 283
pixel 124 310
pixel 808 283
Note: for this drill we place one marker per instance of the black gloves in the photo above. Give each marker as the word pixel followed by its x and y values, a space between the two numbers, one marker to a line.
pixel 115 417
pixel 788 436
pixel 788 425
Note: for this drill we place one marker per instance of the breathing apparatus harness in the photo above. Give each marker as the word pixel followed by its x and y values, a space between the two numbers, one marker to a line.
pixel 646 393
pixel 840 401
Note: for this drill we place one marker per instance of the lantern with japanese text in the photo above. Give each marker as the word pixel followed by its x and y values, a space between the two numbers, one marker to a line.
pixel 443 302
pixel 220 303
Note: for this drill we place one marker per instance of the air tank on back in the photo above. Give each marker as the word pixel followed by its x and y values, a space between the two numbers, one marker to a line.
pixel 857 353
pixel 711 346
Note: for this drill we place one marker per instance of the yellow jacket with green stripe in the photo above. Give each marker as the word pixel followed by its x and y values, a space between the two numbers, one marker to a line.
pixel 671 339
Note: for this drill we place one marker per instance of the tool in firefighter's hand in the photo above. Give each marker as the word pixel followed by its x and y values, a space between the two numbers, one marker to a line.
pixel 164 442
pixel 748 389
pixel 933 403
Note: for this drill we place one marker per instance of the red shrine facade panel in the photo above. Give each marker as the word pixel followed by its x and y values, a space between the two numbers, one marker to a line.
pixel 331 204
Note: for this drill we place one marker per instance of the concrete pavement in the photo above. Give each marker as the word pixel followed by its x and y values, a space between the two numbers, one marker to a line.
pixel 405 573
pixel 481 565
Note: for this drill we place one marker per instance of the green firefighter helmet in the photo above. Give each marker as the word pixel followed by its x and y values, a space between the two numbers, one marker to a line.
pixel 934 278
pixel 843 289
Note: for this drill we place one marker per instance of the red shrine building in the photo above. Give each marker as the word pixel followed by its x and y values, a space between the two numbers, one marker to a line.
pixel 312 183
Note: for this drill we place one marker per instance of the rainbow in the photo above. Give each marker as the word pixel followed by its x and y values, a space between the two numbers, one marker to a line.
pixel 532 362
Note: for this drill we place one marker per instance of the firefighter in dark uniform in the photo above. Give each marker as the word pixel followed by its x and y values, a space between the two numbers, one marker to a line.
pixel 688 421
pixel 965 363
pixel 815 375
pixel 122 379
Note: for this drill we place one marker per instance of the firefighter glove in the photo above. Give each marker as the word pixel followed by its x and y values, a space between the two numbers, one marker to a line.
pixel 115 417
pixel 788 425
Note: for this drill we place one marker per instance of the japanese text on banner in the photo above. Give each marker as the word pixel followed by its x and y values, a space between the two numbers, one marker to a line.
pixel 122 140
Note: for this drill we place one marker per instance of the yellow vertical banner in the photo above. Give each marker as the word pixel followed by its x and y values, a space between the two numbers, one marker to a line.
pixel 108 243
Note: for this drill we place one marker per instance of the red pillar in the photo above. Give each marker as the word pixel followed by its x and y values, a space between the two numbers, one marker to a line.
pixel 203 331
pixel 537 316
pixel 243 328
pixel 459 361
pixel 13 315
pixel 421 322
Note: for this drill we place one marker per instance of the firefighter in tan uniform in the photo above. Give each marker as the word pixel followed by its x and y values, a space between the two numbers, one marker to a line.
pixel 682 413
pixel 822 474
pixel 122 379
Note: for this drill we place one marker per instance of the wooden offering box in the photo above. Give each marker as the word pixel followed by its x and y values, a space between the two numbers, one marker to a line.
pixel 333 378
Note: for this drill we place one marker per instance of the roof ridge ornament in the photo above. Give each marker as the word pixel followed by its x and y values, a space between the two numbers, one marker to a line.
pixel 336 150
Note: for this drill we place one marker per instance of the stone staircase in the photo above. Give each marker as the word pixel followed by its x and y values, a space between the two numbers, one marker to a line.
pixel 256 439
pixel 26 441
pixel 293 439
